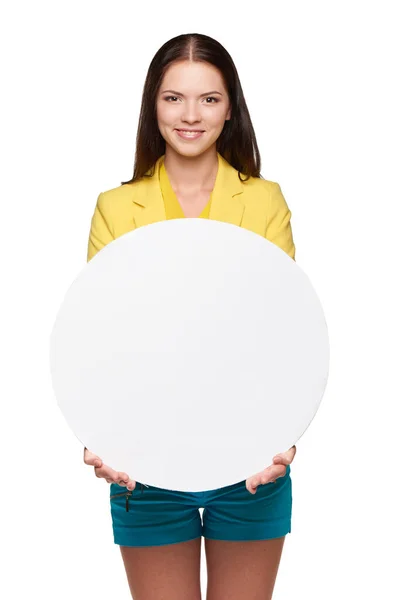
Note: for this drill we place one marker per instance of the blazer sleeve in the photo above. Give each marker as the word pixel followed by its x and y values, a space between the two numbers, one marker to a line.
pixel 101 228
pixel 279 229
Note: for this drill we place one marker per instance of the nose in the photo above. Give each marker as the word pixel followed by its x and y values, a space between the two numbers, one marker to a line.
pixel 191 112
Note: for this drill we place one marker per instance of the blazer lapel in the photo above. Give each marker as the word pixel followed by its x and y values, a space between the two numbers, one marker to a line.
pixel 226 202
pixel 147 199
pixel 227 205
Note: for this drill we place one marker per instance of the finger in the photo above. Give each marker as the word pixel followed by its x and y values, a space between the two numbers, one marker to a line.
pixel 268 475
pixel 128 483
pixel 123 478
pixel 281 458
pixel 277 459
pixel 91 459
pixel 249 487
pixel 116 478
pixel 254 481
pixel 107 472
pixel 272 473
pixel 277 471
pixel 290 454
pixel 284 459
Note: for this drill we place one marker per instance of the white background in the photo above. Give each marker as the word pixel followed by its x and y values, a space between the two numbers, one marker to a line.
pixel 320 80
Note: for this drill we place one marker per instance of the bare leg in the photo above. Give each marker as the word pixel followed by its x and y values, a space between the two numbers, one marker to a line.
pixel 238 570
pixel 170 572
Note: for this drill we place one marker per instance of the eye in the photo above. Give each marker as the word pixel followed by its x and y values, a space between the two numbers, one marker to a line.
pixel 168 98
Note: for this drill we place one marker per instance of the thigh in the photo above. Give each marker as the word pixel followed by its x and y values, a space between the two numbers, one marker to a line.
pixel 169 572
pixel 238 570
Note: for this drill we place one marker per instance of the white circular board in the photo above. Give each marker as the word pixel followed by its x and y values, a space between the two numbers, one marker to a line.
pixel 188 353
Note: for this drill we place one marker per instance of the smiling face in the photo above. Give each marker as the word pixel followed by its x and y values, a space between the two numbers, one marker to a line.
pixel 192 96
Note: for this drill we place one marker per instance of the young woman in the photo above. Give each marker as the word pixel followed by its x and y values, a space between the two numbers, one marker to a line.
pixel 195 143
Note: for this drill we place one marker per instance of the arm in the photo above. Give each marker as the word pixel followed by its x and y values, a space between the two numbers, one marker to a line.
pixel 279 230
pixel 101 230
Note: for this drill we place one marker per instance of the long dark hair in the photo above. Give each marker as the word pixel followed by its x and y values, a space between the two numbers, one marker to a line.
pixel 237 141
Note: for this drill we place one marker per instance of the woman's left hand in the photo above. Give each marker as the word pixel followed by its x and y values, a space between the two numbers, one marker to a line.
pixel 271 473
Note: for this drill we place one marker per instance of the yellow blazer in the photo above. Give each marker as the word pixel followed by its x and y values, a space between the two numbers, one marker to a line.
pixel 256 204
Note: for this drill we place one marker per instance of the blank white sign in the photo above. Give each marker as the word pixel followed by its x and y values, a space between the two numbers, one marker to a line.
pixel 188 353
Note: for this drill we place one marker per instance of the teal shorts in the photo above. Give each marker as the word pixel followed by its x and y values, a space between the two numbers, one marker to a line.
pixel 153 516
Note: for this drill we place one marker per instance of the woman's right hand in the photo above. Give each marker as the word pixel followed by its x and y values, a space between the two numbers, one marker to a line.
pixel 103 471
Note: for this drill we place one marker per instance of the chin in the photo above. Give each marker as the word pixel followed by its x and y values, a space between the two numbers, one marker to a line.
pixel 191 151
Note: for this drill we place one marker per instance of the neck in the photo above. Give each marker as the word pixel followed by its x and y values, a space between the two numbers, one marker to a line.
pixel 191 173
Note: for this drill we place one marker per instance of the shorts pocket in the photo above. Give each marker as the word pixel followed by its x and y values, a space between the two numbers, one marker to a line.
pixel 120 495
pixel 128 494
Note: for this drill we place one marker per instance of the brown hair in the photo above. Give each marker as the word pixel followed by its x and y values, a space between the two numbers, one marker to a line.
pixel 237 141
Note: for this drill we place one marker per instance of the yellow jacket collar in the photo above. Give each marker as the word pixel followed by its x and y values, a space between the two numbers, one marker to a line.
pixel 226 196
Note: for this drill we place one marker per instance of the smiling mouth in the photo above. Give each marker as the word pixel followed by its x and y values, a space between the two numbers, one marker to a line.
pixel 189 135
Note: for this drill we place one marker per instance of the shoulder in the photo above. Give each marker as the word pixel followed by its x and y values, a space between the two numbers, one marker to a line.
pixel 263 194
pixel 260 185
pixel 115 197
pixel 115 205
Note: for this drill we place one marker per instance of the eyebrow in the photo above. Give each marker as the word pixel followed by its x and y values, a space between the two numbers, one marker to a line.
pixel 180 93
